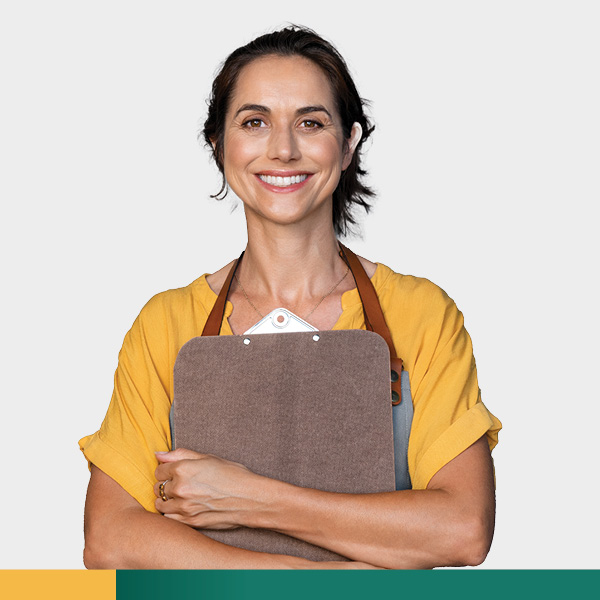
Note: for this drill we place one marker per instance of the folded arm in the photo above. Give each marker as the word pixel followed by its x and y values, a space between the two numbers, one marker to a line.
pixel 121 534
pixel 450 523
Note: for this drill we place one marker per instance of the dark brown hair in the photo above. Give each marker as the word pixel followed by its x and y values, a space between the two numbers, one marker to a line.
pixel 298 41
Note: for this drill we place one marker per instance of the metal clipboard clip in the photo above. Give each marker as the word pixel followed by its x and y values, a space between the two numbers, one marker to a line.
pixel 280 320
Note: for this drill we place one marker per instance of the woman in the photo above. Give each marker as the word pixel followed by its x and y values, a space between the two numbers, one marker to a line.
pixel 286 125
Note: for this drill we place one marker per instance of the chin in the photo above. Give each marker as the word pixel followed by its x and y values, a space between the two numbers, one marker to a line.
pixel 282 211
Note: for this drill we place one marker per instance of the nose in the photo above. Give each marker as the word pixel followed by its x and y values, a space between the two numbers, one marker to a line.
pixel 283 145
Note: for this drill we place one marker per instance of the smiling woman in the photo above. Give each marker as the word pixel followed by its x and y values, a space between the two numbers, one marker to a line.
pixel 286 125
pixel 282 123
pixel 309 51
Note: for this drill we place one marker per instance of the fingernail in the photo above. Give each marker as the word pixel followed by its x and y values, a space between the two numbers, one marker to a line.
pixel 162 452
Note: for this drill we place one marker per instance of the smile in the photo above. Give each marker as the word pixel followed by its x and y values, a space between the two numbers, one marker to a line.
pixel 282 181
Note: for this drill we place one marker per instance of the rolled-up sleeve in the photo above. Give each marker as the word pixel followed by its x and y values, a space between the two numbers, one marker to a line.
pixel 136 423
pixel 449 414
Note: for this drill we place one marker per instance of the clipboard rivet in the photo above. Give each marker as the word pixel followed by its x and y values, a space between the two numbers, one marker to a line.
pixel 395 396
pixel 316 337
pixel 394 376
pixel 246 341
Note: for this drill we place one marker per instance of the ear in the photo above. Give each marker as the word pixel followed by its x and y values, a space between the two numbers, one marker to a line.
pixel 218 159
pixel 352 142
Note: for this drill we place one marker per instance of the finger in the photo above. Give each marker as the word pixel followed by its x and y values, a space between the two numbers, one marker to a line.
pixel 175 506
pixel 179 454
pixel 202 520
pixel 167 508
pixel 168 460
pixel 175 517
pixel 191 520
pixel 164 472
pixel 157 489
pixel 164 507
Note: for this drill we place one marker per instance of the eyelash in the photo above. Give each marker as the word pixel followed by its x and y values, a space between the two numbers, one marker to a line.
pixel 317 124
pixel 247 123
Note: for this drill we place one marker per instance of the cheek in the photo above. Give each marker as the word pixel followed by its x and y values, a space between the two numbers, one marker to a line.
pixel 240 150
pixel 326 152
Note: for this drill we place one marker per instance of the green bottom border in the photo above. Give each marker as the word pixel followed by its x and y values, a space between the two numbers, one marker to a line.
pixel 314 585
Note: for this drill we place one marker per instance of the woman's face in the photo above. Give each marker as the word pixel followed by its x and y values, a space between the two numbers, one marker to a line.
pixel 283 150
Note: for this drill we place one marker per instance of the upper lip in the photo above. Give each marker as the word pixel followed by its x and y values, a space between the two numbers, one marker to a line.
pixel 278 173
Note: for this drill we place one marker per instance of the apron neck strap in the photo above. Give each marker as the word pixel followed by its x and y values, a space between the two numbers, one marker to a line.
pixel 374 319
pixel 215 319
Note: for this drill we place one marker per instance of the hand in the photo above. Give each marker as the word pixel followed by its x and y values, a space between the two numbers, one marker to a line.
pixel 206 491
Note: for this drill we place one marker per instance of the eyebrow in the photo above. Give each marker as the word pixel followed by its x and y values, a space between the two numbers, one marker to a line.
pixel 301 111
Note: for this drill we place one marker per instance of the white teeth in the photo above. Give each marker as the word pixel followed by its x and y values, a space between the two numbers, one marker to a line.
pixel 283 181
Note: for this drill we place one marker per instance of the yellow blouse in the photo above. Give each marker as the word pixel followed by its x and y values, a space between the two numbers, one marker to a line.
pixel 428 333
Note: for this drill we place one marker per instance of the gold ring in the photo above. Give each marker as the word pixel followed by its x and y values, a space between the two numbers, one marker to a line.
pixel 161 490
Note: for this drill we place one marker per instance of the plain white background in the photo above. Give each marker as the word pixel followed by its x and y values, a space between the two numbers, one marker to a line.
pixel 485 159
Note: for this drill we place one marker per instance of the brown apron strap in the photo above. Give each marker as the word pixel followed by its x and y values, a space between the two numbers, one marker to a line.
pixel 215 319
pixel 374 319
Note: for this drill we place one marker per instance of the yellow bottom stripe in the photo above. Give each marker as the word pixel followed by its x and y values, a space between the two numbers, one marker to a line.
pixel 55 584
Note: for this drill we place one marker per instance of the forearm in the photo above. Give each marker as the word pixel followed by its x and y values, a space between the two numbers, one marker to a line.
pixel 121 534
pixel 141 540
pixel 450 524
pixel 410 529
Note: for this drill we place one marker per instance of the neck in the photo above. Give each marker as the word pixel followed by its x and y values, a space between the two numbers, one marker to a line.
pixel 290 265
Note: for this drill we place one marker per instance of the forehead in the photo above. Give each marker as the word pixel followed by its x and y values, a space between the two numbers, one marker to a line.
pixel 282 82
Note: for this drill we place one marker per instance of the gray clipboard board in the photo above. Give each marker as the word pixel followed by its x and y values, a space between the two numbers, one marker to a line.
pixel 311 409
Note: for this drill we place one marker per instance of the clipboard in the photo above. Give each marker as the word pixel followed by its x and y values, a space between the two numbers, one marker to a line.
pixel 311 409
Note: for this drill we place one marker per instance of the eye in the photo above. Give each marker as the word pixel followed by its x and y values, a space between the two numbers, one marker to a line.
pixel 254 123
pixel 311 124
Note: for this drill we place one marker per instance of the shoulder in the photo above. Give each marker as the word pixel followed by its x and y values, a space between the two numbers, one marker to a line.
pixel 177 305
pixel 168 320
pixel 410 291
pixel 415 306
